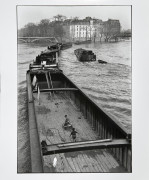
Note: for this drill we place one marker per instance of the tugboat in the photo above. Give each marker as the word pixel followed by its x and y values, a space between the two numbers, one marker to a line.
pixel 85 55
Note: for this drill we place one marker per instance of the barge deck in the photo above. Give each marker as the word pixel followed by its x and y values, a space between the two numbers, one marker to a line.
pixel 50 112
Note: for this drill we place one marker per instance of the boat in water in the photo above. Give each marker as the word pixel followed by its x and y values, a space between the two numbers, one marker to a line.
pixel 65 45
pixel 84 55
pixel 82 42
pixel 100 144
pixel 47 58
pixel 102 62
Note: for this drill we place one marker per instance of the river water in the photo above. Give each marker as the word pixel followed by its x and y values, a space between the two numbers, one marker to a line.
pixel 109 85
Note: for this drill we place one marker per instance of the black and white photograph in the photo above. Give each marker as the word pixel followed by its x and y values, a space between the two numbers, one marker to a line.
pixel 74 89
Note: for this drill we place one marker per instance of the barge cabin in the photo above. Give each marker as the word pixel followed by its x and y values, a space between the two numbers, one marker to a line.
pixel 102 144
pixel 47 58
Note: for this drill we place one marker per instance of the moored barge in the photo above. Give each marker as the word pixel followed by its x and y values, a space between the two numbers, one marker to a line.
pixel 84 55
pixel 102 143
pixel 82 42
pixel 102 62
pixel 65 45
pixel 47 58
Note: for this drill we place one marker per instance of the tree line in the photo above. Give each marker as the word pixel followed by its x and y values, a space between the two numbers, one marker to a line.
pixel 55 28
pixel 44 28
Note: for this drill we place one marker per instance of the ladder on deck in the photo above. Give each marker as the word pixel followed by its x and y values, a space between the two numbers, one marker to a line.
pixel 49 81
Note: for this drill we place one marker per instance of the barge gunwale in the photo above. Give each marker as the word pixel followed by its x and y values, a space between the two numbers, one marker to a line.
pixel 35 152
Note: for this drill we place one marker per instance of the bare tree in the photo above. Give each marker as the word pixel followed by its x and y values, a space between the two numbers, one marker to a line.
pixel 111 29
pixel 75 18
pixel 100 32
pixel 30 30
pixel 59 31
pixel 95 35
pixel 44 27
pixel 59 17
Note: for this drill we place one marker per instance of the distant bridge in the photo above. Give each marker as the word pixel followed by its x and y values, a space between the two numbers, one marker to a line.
pixel 36 39
pixel 125 34
pixel 120 35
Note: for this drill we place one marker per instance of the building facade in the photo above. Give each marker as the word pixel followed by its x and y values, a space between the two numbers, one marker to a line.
pixel 91 29
pixel 80 30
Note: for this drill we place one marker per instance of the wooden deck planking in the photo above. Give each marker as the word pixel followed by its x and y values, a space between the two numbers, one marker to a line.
pixel 82 164
pixel 101 162
pixel 110 159
pixel 66 165
pixel 107 165
pixel 97 165
pixel 81 121
pixel 91 163
pixel 71 164
pixel 55 108
pixel 74 160
pixel 86 163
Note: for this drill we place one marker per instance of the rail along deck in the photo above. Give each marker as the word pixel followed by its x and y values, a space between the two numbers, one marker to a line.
pixel 102 144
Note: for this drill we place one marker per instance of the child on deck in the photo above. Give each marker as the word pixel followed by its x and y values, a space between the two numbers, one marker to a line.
pixel 73 134
pixel 67 122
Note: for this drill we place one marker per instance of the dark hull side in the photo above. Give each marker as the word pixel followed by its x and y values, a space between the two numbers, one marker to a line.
pixel 82 42
pixel 49 56
pixel 102 62
pixel 66 46
pixel 101 121
pixel 84 57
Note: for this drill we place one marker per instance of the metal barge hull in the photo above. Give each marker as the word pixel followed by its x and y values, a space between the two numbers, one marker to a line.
pixel 46 116
pixel 84 55
pixel 66 46
pixel 82 42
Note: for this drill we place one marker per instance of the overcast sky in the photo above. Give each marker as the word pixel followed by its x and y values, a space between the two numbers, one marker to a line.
pixel 26 14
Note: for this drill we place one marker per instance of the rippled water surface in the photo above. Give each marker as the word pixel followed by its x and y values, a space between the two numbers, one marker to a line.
pixel 109 85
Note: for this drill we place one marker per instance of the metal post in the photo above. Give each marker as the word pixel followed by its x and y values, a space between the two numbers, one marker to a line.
pixel 56 57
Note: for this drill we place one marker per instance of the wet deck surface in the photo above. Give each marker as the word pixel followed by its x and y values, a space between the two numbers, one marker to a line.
pixel 50 114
